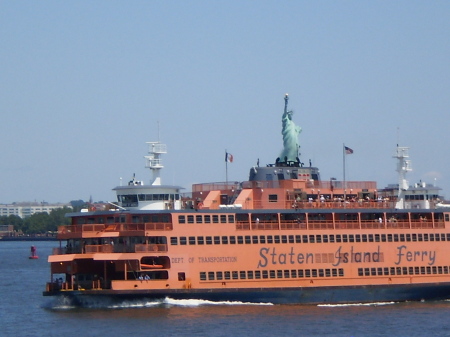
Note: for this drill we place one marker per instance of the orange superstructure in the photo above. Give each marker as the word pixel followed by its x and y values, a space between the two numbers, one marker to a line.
pixel 283 236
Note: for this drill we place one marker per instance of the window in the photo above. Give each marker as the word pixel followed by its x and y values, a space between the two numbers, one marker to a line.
pixel 273 197
pixel 224 240
pixel 174 241
pixel 192 240
pixel 190 219
pixel 223 218
pixel 209 240
pixel 200 240
pixel 217 240
pixel 198 219
pixel 183 240
pixel 207 218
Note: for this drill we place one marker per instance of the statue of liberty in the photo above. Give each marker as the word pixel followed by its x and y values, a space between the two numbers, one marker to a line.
pixel 290 134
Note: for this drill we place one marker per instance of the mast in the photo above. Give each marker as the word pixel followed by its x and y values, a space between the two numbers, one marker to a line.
pixel 154 161
pixel 403 166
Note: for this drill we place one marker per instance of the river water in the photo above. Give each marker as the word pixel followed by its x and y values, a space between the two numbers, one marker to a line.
pixel 25 312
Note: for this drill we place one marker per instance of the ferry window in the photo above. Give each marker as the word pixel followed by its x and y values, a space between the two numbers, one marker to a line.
pixel 272 274
pixel 269 239
pixel 202 276
pixel 255 239
pixel 279 274
pixel 344 238
pixel 395 237
pixel 262 239
pixel 242 275
pixel 155 218
pixel 307 273
pixel 231 218
pixel 165 218
pixel 351 238
pixel 286 274
pixel 190 219
pixel 314 273
pixel 325 238
pixel 182 240
pixel 331 238
pixel 101 220
pixel 250 275
pixel 425 237
pixel 219 275
pixel 414 237
pixel 181 219
pixel 232 240
pixel 298 239
pixel 416 271
pixel 291 239
pixel 294 273
pixel 174 241
pixel 200 240
pixel 437 237
pixel 277 238
pixel 209 240
pixel 448 236
pixel 327 272
pixel 217 240
pixel 442 237
pixel 408 237
pixel 257 274
pixel 283 239
pixel 338 238
pixel 210 275
pixel 358 238
pixel 234 275
pixel 311 239
pixel 227 275
pixel 447 217
pixel 215 219
pixel 402 237
pixel 434 268
pixel 389 236
pixel 383 237
pixel 341 272
pixel 364 238
pixel 318 238
pixel 305 238
pixel 240 240
pixel 440 270
pixel 428 270
pixel 419 236
pixel 192 240
pixel 392 272
pixel 224 240
pixel 248 239
pixel 223 218
pixel 273 197
pixel 334 272
pixel 207 218
pixel 265 274
pixel 366 272
pixel 301 273
pixel 198 219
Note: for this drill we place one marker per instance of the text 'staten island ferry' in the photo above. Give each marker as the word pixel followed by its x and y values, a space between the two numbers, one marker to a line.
pixel 283 236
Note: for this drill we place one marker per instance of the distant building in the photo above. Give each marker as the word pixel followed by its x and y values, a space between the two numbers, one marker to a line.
pixel 25 210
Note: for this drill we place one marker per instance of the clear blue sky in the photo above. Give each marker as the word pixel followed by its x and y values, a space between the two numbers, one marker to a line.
pixel 83 85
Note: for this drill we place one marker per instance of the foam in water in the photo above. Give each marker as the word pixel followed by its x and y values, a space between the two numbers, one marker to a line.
pixel 67 303
pixel 373 304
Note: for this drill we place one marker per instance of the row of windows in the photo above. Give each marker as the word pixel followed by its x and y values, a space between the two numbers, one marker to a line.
pixel 403 271
pixel 269 274
pixel 206 218
pixel 263 239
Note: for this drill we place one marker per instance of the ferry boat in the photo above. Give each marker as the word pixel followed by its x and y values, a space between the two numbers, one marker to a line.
pixel 284 236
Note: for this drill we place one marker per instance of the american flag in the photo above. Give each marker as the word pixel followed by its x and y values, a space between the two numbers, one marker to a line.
pixel 348 150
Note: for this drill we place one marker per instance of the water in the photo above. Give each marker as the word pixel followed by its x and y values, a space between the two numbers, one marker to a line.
pixel 25 312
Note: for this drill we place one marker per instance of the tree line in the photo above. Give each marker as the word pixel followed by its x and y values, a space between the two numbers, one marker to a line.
pixel 40 223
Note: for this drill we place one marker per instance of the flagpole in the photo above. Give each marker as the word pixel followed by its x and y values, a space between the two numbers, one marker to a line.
pixel 226 167
pixel 345 184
